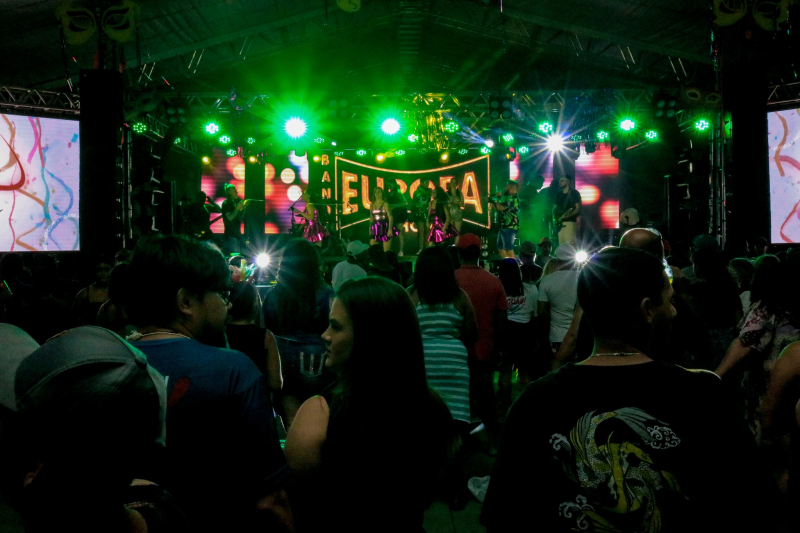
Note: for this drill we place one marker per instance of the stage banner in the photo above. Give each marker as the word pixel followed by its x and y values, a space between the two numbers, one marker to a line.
pixel 351 183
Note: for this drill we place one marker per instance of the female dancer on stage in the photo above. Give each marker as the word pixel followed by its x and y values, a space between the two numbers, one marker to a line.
pixel 421 209
pixel 381 228
pixel 456 199
pixel 441 227
pixel 314 232
pixel 399 206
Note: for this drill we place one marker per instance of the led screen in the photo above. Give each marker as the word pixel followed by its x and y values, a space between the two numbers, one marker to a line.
pixel 39 182
pixel 783 133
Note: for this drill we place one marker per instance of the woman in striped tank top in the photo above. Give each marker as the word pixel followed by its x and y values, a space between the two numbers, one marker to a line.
pixel 448 326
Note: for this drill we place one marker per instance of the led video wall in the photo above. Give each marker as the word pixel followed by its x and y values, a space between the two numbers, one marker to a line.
pixel 783 134
pixel 39 184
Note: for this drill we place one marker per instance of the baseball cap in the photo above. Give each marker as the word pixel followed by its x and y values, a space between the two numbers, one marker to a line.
pixel 17 345
pixel 545 240
pixel 565 252
pixel 75 380
pixel 469 239
pixel 356 247
pixel 527 248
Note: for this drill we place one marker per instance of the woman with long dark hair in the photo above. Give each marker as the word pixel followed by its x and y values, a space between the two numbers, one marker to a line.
pixel 456 205
pixel 245 335
pixel 519 328
pixel 353 461
pixel 441 227
pixel 448 325
pixel 296 311
pixel 399 205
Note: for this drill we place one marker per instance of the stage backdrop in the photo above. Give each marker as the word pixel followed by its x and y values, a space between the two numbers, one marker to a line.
pixel 350 183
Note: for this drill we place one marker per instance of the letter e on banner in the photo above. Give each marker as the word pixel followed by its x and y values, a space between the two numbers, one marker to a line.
pixel 348 192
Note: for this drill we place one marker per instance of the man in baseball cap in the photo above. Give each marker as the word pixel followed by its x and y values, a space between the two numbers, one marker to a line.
pixel 90 419
pixel 543 255
pixel 355 266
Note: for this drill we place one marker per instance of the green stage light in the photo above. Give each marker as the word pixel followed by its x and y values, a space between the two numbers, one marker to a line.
pixel 295 127
pixel 627 124
pixel 702 125
pixel 486 150
pixel 400 152
pixel 139 127
pixel 224 139
pixel 602 135
pixel 463 151
pixel 177 140
pixel 361 152
pixel 319 140
pixel 652 135
pixel 338 153
pixel 413 138
pixel 508 137
pixel 390 126
pixel 212 128
pixel 524 149
pixel 251 140
pixel 451 127
pixel 545 127
pixel 231 152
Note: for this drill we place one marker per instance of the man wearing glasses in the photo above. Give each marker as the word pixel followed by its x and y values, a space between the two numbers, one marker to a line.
pixel 224 465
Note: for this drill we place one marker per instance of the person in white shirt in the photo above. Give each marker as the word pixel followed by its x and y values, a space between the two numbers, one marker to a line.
pixel 353 267
pixel 558 293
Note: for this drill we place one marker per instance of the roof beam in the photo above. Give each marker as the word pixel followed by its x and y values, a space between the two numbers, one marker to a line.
pixel 606 36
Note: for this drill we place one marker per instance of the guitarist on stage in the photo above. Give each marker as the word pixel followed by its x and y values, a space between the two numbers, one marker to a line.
pixel 232 214
pixel 566 209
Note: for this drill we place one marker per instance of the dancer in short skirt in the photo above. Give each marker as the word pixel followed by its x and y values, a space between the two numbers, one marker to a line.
pixel 313 231
pixel 381 227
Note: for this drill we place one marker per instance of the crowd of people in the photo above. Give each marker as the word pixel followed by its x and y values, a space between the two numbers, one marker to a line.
pixel 660 387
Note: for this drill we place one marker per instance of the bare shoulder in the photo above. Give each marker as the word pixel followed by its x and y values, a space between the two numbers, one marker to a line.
pixel 307 435
pixel 789 359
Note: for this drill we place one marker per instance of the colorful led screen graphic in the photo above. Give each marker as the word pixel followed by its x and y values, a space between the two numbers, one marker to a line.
pixel 39 183
pixel 783 134
pixel 285 179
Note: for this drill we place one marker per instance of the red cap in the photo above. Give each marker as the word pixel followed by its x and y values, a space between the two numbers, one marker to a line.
pixel 469 239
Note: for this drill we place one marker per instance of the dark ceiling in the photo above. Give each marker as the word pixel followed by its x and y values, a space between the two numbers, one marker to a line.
pixel 313 46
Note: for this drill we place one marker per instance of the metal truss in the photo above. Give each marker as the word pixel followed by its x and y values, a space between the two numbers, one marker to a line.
pixel 52 102
pixel 784 94
pixel 157 131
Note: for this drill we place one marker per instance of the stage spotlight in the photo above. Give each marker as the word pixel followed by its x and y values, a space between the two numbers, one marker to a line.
pixel 463 151
pixel 252 159
pixel 602 135
pixel 413 138
pixel 451 127
pixel 206 159
pixel 319 140
pixel 224 139
pixel 251 140
pixel 262 260
pixel 400 152
pixel 489 143
pixel 295 127
pixel 177 140
pixel 139 127
pixel 390 126
pixel 231 152
pixel 545 127
pixel 361 152
pixel 702 125
pixel 486 150
pixel 380 158
pixel 581 256
pixel 652 135
pixel 444 157
pixel 333 143
pixel 316 159
pixel 627 124
pixel 212 128
pixel 555 143
pixel 507 137
pixel 524 149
